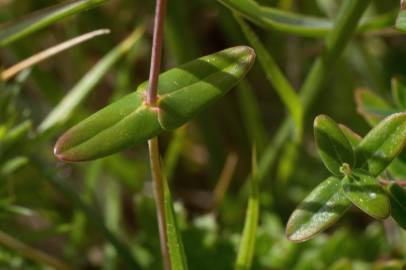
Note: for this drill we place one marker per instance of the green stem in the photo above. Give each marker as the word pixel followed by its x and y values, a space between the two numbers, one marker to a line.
pixel 336 41
pixel 31 253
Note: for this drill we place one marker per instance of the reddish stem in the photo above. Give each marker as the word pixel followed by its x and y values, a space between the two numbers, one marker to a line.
pixel 386 182
pixel 156 52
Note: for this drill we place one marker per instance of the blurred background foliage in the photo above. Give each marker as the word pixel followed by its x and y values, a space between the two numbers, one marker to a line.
pixel 73 211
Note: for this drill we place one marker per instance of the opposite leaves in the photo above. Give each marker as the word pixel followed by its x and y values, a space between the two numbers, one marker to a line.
pixel 182 92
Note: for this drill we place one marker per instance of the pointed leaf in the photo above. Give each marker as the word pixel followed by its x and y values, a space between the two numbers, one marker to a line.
pixel 372 107
pixel 351 136
pixel 116 127
pixel 183 92
pixel 399 92
pixel 382 144
pixel 175 244
pixel 364 191
pixel 186 90
pixel 64 110
pixel 23 27
pixel 318 211
pixel 397 197
pixel 332 145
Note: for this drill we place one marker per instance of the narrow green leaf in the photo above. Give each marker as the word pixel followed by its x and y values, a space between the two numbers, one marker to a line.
pixel 282 86
pixel 318 211
pixel 183 91
pixel 297 24
pixel 397 197
pixel 64 110
pixel 248 238
pixel 176 249
pixel 351 136
pixel 186 90
pixel 382 144
pixel 332 145
pixel 13 31
pixel 399 93
pixel 364 191
pixel 116 127
pixel 372 107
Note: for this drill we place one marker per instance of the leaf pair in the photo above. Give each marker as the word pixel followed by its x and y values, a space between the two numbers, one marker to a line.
pixel 357 162
pixel 182 91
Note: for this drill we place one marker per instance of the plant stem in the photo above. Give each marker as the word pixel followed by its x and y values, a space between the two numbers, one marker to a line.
pixel 156 52
pixel 153 143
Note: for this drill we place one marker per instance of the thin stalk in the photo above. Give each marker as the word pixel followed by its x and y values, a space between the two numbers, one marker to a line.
pixel 156 52
pixel 386 182
pixel 31 253
pixel 151 98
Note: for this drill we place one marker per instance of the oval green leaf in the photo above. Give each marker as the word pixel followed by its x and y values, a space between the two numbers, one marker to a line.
pixel 397 197
pixel 318 211
pixel 183 91
pixel 332 145
pixel 187 89
pixel 23 27
pixel 364 192
pixel 371 106
pixel 382 144
pixel 116 127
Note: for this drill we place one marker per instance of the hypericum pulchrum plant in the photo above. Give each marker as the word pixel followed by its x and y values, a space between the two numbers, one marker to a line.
pixel 355 163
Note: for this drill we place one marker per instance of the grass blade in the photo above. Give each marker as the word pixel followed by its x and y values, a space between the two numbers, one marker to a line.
pixel 282 86
pixel 248 239
pixel 176 249
pixel 41 56
pixel 23 27
pixel 64 110
pixel 297 24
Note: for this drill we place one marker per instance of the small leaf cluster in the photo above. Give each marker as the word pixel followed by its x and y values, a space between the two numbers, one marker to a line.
pixel 355 163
